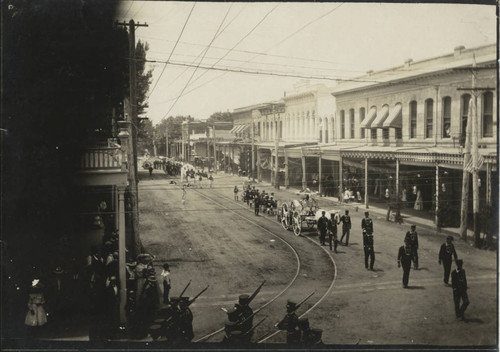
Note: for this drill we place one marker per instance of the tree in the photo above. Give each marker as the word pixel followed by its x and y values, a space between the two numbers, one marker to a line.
pixel 143 77
pixel 145 134
pixel 220 117
pixel 172 126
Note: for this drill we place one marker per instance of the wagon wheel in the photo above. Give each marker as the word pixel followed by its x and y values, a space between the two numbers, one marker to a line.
pixel 296 223
pixel 284 216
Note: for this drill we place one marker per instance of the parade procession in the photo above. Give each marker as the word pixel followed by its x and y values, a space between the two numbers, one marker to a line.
pixel 249 175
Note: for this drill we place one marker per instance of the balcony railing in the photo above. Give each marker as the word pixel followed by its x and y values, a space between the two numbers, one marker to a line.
pixel 103 158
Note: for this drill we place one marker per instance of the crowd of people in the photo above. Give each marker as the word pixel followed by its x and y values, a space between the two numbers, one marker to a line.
pixel 261 201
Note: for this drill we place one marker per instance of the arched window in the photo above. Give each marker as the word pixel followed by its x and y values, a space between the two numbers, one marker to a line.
pixel 487 114
pixel 351 122
pixel 464 114
pixel 446 117
pixel 413 119
pixel 361 118
pixel 342 124
pixel 429 108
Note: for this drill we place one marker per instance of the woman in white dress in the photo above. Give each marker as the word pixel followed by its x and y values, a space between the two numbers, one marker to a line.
pixel 36 315
pixel 418 202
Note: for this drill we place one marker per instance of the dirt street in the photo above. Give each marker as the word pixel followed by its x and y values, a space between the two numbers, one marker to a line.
pixel 213 240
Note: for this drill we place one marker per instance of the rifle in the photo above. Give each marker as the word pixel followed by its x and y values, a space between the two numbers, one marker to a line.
pixel 253 328
pixel 185 288
pixel 297 306
pixel 305 299
pixel 256 292
pixel 198 295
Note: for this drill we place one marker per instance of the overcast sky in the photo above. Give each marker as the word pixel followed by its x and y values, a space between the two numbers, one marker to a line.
pixel 321 40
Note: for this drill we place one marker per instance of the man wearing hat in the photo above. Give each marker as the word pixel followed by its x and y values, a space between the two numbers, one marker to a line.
pixel 369 250
pixel 346 227
pixel 446 253
pixel 367 224
pixel 459 284
pixel 322 227
pixel 256 204
pixel 165 274
pixel 244 314
pixel 332 231
pixel 404 259
pixel 185 321
pixel 290 323
pixel 412 237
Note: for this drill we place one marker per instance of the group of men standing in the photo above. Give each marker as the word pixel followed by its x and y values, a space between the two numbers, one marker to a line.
pixel 407 254
pixel 329 226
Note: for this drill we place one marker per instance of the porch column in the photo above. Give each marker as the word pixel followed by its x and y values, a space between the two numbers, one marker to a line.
pixel 436 215
pixel 397 180
pixel 366 183
pixel 341 186
pixel 287 180
pixel 273 163
pixel 320 181
pixel 121 255
pixel 259 171
pixel 304 179
pixel 488 184
pixel 232 158
pixel 115 207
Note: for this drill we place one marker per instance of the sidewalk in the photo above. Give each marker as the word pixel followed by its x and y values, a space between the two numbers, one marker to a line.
pixel 376 210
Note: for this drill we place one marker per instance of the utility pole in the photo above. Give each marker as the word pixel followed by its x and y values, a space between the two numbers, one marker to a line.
pixel 471 152
pixel 133 180
pixel 154 144
pixel 166 141
pixel 215 150
pixel 253 151
pixel 276 149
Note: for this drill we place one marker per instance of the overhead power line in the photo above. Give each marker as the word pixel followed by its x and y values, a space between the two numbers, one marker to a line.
pixel 173 49
pixel 204 46
pixel 288 37
pixel 201 60
pixel 239 41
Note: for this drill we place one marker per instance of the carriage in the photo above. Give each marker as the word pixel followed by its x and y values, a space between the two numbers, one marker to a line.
pixel 301 215
pixel 298 215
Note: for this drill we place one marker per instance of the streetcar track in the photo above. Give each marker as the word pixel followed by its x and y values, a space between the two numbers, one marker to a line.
pixel 273 234
pixel 328 291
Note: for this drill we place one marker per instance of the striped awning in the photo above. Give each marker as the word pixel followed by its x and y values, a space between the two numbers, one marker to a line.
pixel 243 129
pixel 234 128
pixel 381 116
pixel 395 118
pixel 366 123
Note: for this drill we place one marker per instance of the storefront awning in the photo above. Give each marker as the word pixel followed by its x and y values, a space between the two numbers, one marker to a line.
pixel 243 129
pixel 234 128
pixel 395 118
pixel 366 123
pixel 381 116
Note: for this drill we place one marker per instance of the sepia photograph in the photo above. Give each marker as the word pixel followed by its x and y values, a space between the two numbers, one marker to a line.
pixel 184 175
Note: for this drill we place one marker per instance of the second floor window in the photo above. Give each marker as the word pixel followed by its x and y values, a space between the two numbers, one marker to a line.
pixel 361 118
pixel 351 121
pixel 487 114
pixel 446 117
pixel 374 133
pixel 429 106
pixel 413 119
pixel 385 133
pixel 342 124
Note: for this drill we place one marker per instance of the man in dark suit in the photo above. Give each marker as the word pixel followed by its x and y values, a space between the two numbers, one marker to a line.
pixel 446 253
pixel 322 227
pixel 459 284
pixel 404 259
